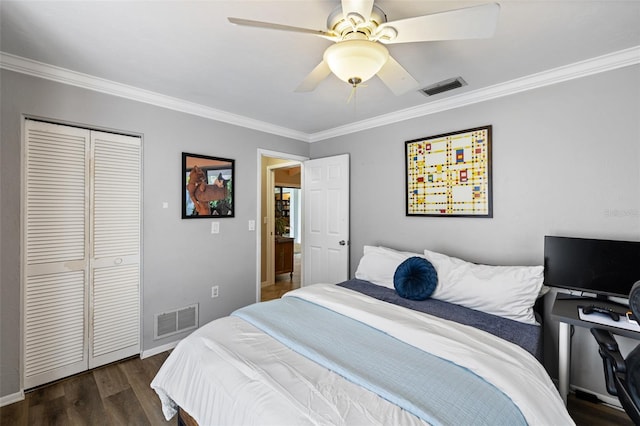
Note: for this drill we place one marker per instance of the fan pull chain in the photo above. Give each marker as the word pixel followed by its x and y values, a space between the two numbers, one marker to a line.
pixel 352 95
pixel 355 101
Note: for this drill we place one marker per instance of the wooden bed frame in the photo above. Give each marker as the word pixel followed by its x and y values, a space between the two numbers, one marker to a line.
pixel 184 419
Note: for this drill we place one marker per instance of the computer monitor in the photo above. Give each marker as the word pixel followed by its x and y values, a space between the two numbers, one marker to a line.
pixel 603 267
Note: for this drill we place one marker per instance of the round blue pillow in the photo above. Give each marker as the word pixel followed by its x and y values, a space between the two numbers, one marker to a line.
pixel 415 278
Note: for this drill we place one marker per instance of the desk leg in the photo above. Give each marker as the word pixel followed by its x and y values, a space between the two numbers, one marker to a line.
pixel 564 359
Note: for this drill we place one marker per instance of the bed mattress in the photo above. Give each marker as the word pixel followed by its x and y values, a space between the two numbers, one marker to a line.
pixel 237 370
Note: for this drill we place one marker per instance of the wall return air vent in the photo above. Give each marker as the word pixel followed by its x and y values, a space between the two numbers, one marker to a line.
pixel 443 86
pixel 173 322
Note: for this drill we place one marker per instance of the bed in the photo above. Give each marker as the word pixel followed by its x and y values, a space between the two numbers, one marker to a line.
pixel 362 352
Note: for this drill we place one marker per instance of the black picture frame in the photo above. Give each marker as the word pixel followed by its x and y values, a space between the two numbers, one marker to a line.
pixel 207 187
pixel 449 175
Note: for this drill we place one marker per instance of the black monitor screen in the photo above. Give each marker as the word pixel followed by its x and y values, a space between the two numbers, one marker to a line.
pixel 603 267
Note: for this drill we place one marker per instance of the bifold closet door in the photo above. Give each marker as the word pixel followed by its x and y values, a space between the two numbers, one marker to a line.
pixel 56 252
pixel 81 274
pixel 115 248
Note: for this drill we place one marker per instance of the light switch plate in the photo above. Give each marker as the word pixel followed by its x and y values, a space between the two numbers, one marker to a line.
pixel 252 225
pixel 215 227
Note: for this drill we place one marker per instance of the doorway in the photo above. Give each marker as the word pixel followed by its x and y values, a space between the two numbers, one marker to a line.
pixel 279 254
pixel 324 219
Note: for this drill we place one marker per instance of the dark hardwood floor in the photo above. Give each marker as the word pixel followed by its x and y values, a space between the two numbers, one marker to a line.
pixel 116 394
pixel 119 394
pixel 586 413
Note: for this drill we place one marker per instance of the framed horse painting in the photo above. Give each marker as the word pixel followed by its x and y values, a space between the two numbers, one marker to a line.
pixel 208 186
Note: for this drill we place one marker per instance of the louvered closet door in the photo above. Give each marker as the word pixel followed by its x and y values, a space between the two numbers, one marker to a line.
pixel 55 252
pixel 115 254
pixel 81 250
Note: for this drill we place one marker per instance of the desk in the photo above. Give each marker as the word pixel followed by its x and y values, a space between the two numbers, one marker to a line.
pixel 565 310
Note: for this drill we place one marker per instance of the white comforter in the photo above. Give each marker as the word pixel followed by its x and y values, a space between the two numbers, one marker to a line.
pixel 229 372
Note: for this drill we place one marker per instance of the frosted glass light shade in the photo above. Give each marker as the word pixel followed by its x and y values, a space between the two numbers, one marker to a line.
pixel 356 61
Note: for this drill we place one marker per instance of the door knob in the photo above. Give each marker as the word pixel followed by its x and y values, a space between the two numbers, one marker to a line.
pixel 342 242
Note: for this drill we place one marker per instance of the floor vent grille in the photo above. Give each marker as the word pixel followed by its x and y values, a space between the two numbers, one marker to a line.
pixel 173 322
pixel 443 86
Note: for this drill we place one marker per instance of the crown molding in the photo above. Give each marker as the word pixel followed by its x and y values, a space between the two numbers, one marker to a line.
pixel 608 62
pixel 97 84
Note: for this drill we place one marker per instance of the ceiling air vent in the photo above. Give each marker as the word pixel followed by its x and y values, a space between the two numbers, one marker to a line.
pixel 443 86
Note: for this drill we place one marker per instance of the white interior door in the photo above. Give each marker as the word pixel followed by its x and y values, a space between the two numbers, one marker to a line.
pixel 326 220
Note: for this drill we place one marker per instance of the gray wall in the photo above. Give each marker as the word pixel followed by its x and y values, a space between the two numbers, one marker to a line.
pixel 181 258
pixel 565 162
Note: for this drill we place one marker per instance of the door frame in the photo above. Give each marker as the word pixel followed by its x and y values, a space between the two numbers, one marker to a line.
pixel 293 160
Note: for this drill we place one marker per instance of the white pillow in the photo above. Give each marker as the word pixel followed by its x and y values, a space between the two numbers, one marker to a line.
pixel 378 264
pixel 507 291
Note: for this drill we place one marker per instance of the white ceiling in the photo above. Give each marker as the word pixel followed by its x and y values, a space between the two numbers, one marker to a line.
pixel 189 51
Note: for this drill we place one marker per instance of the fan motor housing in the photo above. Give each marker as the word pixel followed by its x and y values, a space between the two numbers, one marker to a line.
pixel 338 23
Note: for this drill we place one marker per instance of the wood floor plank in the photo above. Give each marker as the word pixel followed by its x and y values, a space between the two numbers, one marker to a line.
pixel 139 378
pixel 110 380
pixel 586 413
pixel 16 414
pixel 51 412
pixel 45 393
pixel 84 405
pixel 152 364
pixel 124 408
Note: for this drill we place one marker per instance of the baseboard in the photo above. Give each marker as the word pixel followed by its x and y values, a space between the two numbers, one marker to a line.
pixel 607 399
pixel 159 349
pixel 10 399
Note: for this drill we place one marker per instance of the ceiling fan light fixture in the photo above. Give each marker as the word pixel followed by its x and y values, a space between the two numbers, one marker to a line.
pixel 356 61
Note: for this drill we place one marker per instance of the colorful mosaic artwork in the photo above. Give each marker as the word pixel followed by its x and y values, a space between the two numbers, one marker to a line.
pixel 450 174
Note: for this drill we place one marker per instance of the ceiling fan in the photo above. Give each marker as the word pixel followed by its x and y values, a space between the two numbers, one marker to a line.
pixel 360 30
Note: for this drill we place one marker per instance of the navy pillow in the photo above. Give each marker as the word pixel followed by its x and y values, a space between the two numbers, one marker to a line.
pixel 415 278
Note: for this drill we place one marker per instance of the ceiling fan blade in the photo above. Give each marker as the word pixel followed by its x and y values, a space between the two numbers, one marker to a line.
pixel 311 81
pixel 360 7
pixel 396 78
pixel 472 22
pixel 272 26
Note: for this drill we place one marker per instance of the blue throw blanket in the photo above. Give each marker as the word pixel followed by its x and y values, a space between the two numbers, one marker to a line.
pixel 436 390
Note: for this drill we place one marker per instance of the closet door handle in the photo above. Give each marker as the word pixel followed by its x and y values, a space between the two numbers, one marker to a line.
pixel 118 261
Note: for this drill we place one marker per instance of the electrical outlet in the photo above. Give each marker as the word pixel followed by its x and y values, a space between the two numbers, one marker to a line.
pixel 252 225
pixel 215 291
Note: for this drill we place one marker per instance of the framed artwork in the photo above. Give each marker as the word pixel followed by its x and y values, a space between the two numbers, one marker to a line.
pixel 449 175
pixel 207 184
